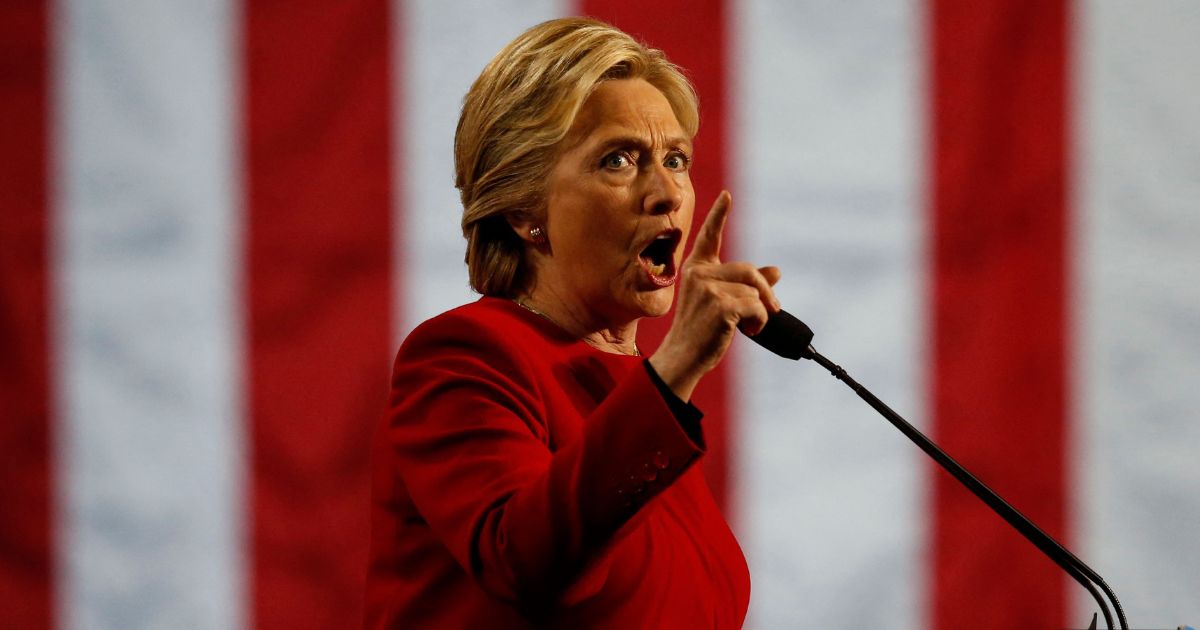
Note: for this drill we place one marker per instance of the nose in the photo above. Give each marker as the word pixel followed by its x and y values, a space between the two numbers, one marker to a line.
pixel 664 193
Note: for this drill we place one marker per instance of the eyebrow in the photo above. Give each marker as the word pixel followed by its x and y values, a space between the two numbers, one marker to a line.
pixel 636 141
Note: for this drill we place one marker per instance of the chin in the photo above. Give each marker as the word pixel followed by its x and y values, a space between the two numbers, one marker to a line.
pixel 658 303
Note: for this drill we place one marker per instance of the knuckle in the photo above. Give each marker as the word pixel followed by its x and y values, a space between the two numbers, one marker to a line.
pixel 744 269
pixel 746 292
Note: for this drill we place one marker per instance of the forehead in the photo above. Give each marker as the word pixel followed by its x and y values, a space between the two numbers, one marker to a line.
pixel 626 107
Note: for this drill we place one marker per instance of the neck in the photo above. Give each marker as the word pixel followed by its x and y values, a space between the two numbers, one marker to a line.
pixel 583 323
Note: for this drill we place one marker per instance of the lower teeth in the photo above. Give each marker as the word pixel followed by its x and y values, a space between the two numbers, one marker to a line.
pixel 658 270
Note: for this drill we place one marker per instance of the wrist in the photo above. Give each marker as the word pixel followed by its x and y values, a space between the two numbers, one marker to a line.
pixel 677 375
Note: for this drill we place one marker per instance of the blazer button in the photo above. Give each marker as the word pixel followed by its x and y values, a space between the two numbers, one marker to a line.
pixel 650 473
pixel 661 460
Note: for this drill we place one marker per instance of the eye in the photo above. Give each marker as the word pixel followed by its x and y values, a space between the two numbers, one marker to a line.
pixel 616 160
pixel 677 161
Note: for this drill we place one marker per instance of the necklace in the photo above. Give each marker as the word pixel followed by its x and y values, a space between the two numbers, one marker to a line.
pixel 637 352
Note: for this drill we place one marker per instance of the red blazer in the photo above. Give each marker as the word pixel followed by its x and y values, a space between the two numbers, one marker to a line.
pixel 525 479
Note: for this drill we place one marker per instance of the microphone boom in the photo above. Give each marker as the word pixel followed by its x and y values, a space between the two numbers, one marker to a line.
pixel 791 338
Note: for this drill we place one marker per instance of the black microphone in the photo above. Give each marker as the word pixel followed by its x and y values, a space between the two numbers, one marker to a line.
pixel 792 339
pixel 786 336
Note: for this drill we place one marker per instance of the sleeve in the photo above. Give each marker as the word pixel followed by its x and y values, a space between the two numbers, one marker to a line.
pixel 467 429
pixel 684 411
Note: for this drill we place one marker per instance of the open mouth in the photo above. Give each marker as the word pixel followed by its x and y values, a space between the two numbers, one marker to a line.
pixel 658 257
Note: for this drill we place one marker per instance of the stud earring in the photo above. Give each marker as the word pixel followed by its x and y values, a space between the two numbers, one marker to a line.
pixel 537 235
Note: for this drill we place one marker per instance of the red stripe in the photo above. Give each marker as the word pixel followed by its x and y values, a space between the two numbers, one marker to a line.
pixel 693 34
pixel 26 479
pixel 318 296
pixel 999 337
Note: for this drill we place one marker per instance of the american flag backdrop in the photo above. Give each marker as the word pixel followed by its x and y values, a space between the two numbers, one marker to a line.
pixel 219 218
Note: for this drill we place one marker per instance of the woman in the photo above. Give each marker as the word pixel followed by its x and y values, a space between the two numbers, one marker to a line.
pixel 535 470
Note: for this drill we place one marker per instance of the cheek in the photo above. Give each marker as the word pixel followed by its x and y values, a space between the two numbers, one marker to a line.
pixel 686 218
pixel 590 246
pixel 688 209
pixel 601 227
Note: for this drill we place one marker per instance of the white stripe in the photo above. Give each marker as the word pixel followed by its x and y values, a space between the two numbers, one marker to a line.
pixel 146 332
pixel 442 49
pixel 1138 231
pixel 829 147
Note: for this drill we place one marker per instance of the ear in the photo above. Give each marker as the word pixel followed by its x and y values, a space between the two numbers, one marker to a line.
pixel 527 229
pixel 522 224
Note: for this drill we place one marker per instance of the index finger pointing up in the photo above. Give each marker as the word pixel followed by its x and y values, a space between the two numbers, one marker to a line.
pixel 708 241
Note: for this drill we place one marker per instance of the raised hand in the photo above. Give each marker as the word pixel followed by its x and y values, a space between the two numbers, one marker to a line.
pixel 715 299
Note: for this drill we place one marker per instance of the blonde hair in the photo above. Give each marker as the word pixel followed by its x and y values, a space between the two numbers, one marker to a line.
pixel 514 117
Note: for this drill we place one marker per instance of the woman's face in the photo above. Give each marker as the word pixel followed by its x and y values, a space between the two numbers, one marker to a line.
pixel 620 204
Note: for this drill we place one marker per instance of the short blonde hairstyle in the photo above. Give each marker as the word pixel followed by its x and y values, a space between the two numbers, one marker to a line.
pixel 516 114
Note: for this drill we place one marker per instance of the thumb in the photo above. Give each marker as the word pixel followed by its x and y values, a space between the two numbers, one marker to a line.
pixel 708 241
